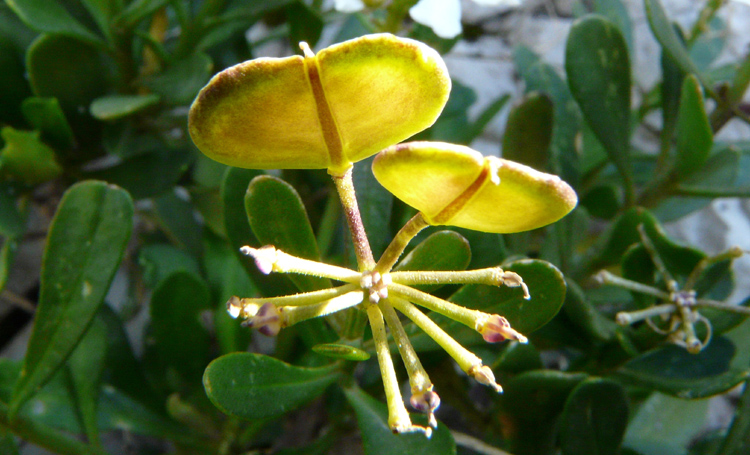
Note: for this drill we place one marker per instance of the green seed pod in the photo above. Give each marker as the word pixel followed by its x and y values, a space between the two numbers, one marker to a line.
pixel 455 185
pixel 321 111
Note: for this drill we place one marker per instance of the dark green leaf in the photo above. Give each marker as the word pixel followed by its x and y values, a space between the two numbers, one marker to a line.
pixel 542 77
pixel 709 44
pixel 536 396
pixel 375 204
pixel 51 17
pixel 738 435
pixel 46 115
pixel 8 444
pixel 122 370
pixel 518 358
pixel 671 88
pixel 278 217
pixel 305 24
pixel 594 418
pixel 158 261
pixel 674 371
pixel 181 339
pixel 341 351
pixel 254 386
pixel 443 250
pixel 618 237
pixel 585 316
pixel 178 84
pixel 378 438
pixel 177 218
pixel 85 244
pixel 671 43
pixel 86 364
pixel 7 256
pixel 529 131
pixel 603 201
pixel 75 73
pixel 598 69
pixel 102 11
pixel 233 189
pixel 26 159
pixel 226 277
pixel 547 289
pixel 617 12
pixel 138 9
pixel 12 218
pixel 114 107
pixel 13 85
pixel 150 174
pixel 694 136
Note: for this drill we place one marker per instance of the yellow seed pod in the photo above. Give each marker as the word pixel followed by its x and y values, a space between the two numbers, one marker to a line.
pixel 321 111
pixel 455 185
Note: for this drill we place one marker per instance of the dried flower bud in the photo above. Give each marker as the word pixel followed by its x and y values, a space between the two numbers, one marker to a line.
pixel 495 328
pixel 267 320
pixel 484 375
pixel 426 402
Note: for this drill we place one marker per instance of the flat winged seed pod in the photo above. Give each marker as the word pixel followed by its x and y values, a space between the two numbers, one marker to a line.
pixel 455 185
pixel 321 111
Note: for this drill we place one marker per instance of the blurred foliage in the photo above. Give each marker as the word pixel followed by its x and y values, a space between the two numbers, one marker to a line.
pixel 93 110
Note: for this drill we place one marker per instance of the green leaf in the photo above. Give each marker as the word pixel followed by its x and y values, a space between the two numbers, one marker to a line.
pixel 138 9
pixel 7 256
pixel 149 174
pixel 719 174
pixel 584 315
pixel 26 159
pixel 181 340
pixel 8 444
pixel 375 203
pixel 694 135
pixel 443 250
pixel 76 74
pixel 666 425
pixel 159 260
pixel 674 371
pixel 278 217
pixel 226 277
pixel 378 438
pixel 255 386
pixel 707 46
pixel 542 77
pixel 738 435
pixel 539 395
pixel 617 12
pixel 122 370
pixel 603 201
pixel 671 89
pixel 102 11
pixel 619 236
pixel 233 189
pixel 341 351
pixel 547 289
pixel 85 244
pixel 176 215
pixel 114 107
pixel 518 358
pixel 528 132
pixel 13 85
pixel 12 218
pixel 178 84
pixel 86 364
pixel 598 69
pixel 48 16
pixel 671 43
pixel 594 418
pixel 305 24
pixel 46 115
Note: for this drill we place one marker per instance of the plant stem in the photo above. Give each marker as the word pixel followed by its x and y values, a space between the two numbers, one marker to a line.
pixel 269 259
pixel 345 188
pixel 418 378
pixel 632 317
pixel 293 315
pixel 413 227
pixel 604 277
pixel 47 437
pixel 722 306
pixel 465 359
pixel 398 416
pixel 458 313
